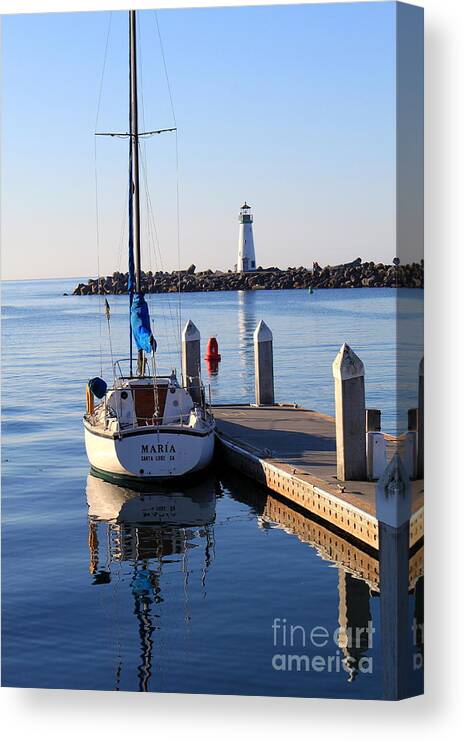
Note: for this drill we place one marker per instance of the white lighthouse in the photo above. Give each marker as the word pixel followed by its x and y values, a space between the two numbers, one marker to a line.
pixel 246 250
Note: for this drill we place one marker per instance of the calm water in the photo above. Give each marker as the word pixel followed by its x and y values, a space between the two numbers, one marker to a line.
pixel 181 593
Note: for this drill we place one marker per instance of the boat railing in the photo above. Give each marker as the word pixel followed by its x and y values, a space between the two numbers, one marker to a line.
pixel 109 414
pixel 195 383
pixel 138 422
pixel 119 374
pixel 192 382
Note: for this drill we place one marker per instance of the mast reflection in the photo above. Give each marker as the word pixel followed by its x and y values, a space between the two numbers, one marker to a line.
pixel 146 530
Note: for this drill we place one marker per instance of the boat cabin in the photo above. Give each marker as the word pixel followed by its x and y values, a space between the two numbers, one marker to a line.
pixel 140 402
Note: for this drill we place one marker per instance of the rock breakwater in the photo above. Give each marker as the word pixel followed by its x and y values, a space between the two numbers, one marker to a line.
pixel 349 275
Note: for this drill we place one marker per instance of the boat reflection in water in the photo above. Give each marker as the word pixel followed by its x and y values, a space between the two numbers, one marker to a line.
pixel 146 529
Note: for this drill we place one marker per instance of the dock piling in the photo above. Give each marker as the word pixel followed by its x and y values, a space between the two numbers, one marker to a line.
pixel 393 510
pixel 190 348
pixel 263 352
pixel 349 387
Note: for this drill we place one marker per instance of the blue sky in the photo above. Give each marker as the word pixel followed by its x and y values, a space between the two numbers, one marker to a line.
pixel 289 107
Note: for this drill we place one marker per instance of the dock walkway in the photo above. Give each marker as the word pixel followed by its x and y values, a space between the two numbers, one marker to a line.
pixel 292 451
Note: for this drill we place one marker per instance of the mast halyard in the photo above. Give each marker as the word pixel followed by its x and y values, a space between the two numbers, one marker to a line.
pixel 134 136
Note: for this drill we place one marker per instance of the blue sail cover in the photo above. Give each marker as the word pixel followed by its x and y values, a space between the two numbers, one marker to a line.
pixel 140 323
pixel 138 309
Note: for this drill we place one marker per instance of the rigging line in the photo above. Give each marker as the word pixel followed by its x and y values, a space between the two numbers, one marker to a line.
pixel 150 239
pixel 97 228
pixel 156 400
pixel 107 314
pixel 150 248
pixel 155 242
pixel 97 224
pixel 142 145
pixel 170 94
pixel 165 67
pixel 103 71
pixel 169 327
pixel 150 211
pixel 152 243
pixel 123 228
pixel 126 134
pixel 143 157
pixel 179 252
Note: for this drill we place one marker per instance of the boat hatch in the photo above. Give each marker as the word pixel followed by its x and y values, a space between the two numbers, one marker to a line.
pixel 149 403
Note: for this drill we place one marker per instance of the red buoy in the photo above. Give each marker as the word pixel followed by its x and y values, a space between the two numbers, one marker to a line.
pixel 211 353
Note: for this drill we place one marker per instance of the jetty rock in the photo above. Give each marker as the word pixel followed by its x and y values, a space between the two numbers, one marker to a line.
pixel 356 274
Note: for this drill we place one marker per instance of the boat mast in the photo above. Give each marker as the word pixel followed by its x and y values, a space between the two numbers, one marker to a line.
pixel 134 135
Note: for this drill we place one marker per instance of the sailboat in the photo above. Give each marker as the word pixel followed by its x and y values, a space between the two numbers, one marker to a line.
pixel 144 427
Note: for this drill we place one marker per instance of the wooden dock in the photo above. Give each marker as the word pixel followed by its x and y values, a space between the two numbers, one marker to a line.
pixel 292 451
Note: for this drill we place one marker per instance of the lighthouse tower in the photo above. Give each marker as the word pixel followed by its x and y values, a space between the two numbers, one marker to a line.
pixel 246 250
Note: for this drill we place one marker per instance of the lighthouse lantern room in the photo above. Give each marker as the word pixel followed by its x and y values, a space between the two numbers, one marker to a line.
pixel 246 250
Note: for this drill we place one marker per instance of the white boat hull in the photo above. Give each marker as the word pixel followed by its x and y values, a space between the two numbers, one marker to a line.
pixel 149 455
